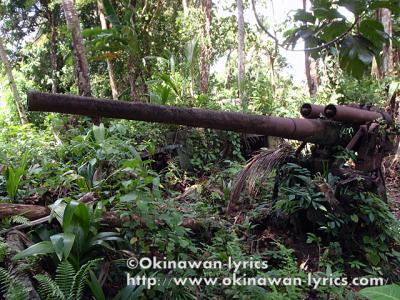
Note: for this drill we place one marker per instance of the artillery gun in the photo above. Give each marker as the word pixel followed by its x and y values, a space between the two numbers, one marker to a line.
pixel 359 128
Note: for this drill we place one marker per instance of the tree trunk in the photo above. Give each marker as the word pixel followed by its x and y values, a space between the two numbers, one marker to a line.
pixel 310 66
pixel 132 76
pixel 110 65
pixel 205 47
pixel 241 55
pixel 385 16
pixel 13 86
pixel 53 56
pixel 185 8
pixel 51 18
pixel 81 63
pixel 311 74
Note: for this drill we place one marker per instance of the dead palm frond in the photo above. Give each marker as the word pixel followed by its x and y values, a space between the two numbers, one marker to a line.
pixel 258 168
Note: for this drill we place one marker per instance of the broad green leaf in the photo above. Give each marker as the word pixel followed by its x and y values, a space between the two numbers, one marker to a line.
pixel 90 32
pixel 355 6
pixel 385 292
pixel 99 133
pixel 62 244
pixel 334 29
pixel 304 16
pixel 168 81
pixel 393 88
pixel 95 287
pixel 374 32
pixel 111 14
pixel 130 197
pixel 83 217
pixel 130 292
pixel 39 248
pixel 392 5
pixel 330 14
pixel 365 56
pixel 68 214
pixel 373 258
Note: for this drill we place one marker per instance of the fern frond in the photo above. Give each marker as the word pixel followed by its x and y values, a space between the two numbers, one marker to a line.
pixel 5 280
pixel 17 291
pixel 48 288
pixel 64 276
pixel 17 219
pixel 12 288
pixel 80 277
pixel 3 249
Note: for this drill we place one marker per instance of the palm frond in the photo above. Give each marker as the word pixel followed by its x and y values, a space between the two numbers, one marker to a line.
pixel 258 168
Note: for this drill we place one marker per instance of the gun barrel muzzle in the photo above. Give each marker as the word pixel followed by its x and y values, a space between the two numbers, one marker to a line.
pixel 353 115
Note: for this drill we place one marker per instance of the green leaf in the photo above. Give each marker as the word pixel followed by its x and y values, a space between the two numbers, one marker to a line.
pixel 393 88
pixel 392 5
pixel 386 292
pixel 132 196
pixel 356 54
pixel 334 29
pixel 373 258
pixel 111 14
pixel 95 287
pixel 83 217
pixel 130 292
pixel 354 218
pixel 374 31
pixel 355 6
pixel 68 214
pixel 168 81
pixel 365 56
pixel 62 244
pixel 90 32
pixel 39 248
pixel 99 133
pixel 304 16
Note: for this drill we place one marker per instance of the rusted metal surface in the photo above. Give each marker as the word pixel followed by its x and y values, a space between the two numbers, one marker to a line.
pixel 311 111
pixel 352 115
pixel 315 131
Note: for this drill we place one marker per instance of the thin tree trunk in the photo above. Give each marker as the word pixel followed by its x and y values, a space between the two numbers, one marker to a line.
pixel 310 66
pixel 51 16
pixel 205 47
pixel 132 76
pixel 82 66
pixel 228 70
pixel 110 65
pixel 241 55
pixel 185 8
pixel 13 86
pixel 385 16
pixel 311 74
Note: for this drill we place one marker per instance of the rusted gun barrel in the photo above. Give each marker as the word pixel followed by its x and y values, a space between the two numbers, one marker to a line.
pixel 354 115
pixel 314 131
pixel 311 111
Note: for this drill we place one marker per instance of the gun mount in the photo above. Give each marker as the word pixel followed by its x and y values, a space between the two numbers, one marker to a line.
pixel 355 128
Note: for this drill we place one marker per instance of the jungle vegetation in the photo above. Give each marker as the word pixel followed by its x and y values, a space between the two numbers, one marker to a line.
pixel 100 193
